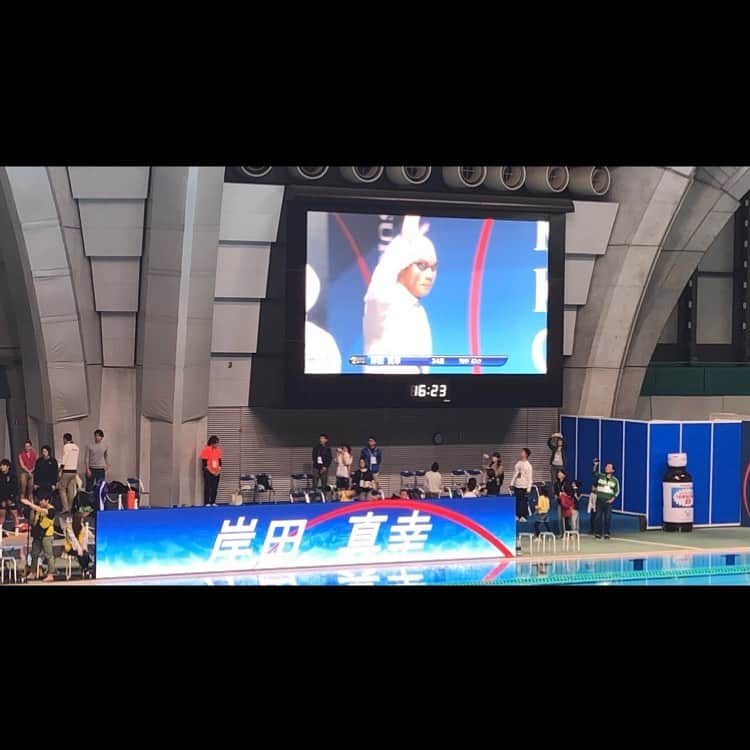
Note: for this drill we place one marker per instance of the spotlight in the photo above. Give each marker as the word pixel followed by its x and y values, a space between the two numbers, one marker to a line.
pixel 308 173
pixel 408 175
pixel 464 177
pixel 590 180
pixel 256 171
pixel 505 179
pixel 547 179
pixel 362 174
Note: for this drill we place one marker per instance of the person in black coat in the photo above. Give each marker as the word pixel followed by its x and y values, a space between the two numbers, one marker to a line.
pixel 46 473
pixel 493 483
pixel 321 460
pixel 363 481
pixel 556 444
pixel 8 493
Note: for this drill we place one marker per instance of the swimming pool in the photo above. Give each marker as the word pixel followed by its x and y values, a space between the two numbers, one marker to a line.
pixel 670 569
pixel 721 579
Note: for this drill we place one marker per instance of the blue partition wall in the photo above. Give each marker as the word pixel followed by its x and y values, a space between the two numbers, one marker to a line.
pixel 745 478
pixel 611 448
pixel 639 451
pixel 696 442
pixel 663 438
pixel 634 474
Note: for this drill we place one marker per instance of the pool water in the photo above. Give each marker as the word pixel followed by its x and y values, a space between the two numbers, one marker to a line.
pixel 671 569
pixel 725 579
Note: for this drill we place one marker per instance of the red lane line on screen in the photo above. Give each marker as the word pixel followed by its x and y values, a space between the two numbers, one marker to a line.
pixel 744 489
pixel 475 290
pixel 436 510
pixel 355 249
pixel 495 572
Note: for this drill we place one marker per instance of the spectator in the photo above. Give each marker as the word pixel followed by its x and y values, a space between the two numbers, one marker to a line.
pixel 211 463
pixel 541 505
pixel 68 474
pixel 523 476
pixel 362 479
pixel 76 544
pixel 321 459
pixel 563 490
pixel 8 493
pixel 42 534
pixel 46 474
pixel 607 490
pixel 343 467
pixel 26 464
pixel 494 462
pixel 96 460
pixel 493 485
pixel 575 520
pixel 556 444
pixel 471 488
pixel 591 510
pixel 373 456
pixel 433 481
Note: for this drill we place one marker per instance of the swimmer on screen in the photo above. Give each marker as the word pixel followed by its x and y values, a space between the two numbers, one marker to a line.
pixel 395 323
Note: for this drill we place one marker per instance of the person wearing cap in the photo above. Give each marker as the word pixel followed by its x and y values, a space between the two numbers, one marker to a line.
pixel 556 444
pixel 395 323
pixel 607 490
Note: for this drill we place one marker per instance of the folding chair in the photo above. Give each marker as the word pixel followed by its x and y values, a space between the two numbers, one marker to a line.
pixel 406 479
pixel 458 480
pixel 419 480
pixel 9 562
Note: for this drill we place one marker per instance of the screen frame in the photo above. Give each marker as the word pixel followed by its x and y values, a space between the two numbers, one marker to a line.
pixel 382 391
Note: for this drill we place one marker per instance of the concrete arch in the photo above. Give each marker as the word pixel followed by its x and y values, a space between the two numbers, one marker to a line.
pixel 667 219
pixel 43 300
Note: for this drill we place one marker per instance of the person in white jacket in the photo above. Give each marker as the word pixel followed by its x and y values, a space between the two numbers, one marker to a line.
pixel 395 323
pixel 523 478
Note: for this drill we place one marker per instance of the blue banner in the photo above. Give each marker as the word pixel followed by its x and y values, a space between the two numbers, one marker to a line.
pixel 745 474
pixel 267 537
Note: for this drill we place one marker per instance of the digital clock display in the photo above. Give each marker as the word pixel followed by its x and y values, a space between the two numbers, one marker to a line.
pixel 429 390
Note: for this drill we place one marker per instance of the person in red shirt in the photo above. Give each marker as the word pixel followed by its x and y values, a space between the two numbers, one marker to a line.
pixel 211 461
pixel 26 465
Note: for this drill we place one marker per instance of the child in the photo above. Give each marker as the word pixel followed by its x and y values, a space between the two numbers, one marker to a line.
pixel 471 488
pixel 575 520
pixel 540 502
pixel 591 509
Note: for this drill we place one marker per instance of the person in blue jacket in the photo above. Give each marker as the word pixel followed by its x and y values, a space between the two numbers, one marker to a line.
pixel 373 456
